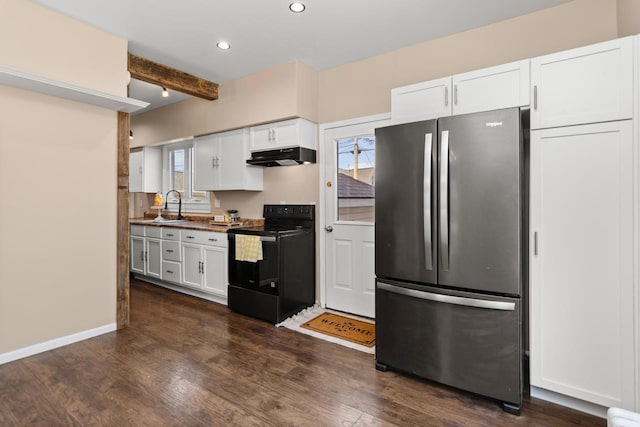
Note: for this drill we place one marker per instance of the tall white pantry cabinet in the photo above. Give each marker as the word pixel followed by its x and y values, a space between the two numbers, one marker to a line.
pixel 584 224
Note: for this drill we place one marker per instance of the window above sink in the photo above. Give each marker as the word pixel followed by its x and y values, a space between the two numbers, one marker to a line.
pixel 177 174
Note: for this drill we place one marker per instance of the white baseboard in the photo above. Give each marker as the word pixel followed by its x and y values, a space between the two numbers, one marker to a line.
pixel 55 343
pixel 569 402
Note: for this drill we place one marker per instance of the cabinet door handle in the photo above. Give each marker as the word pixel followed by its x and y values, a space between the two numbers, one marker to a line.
pixel 170 250
pixel 202 263
pixel 446 96
pixel 169 271
pixel 146 256
pixel 535 97
pixel 455 94
pixel 535 243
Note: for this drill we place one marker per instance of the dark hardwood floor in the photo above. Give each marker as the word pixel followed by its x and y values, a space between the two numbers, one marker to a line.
pixel 185 361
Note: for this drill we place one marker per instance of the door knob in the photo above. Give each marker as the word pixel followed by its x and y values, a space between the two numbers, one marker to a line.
pixel 329 228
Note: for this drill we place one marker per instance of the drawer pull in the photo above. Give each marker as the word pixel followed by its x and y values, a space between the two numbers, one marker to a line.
pixel 190 237
pixel 170 250
pixel 169 271
pixel 213 240
pixel 169 235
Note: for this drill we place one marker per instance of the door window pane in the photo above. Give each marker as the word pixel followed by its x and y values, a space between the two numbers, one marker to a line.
pixel 356 178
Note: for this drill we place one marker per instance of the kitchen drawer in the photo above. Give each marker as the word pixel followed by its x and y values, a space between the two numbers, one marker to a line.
pixel 155 232
pixel 170 233
pixel 208 238
pixel 137 230
pixel 170 251
pixel 171 271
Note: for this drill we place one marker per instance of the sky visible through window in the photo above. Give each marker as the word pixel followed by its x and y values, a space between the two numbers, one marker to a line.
pixel 366 156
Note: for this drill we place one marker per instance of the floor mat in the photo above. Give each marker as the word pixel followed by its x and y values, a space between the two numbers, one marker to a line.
pixel 346 328
pixel 297 322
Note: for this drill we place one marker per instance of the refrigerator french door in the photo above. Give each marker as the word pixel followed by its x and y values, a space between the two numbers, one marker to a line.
pixel 449 251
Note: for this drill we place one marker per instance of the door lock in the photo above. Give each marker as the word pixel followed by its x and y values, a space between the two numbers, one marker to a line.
pixel 329 228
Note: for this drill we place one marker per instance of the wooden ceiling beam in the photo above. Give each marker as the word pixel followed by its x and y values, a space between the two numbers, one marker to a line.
pixel 170 78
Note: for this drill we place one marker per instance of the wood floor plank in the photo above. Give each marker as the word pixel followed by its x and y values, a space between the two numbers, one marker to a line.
pixel 187 361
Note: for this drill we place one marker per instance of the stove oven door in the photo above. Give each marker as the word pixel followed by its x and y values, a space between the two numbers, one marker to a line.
pixel 261 276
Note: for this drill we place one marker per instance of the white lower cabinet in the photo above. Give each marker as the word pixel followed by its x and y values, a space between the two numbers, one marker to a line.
pixel 153 257
pixel 189 258
pixel 582 263
pixel 145 256
pixel 215 270
pixel 136 254
pixel 192 265
pixel 205 268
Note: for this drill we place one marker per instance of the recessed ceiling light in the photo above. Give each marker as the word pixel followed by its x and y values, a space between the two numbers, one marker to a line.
pixel 297 7
pixel 224 45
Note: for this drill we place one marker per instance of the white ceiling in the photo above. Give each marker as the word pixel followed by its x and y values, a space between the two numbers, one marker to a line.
pixel 263 33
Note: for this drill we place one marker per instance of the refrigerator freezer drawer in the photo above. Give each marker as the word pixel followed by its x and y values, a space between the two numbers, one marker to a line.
pixel 465 340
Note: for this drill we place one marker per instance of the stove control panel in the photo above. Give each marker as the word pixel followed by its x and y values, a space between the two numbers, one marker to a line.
pixel 304 212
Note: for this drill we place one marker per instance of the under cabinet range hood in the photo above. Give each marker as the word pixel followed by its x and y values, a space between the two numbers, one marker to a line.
pixel 283 157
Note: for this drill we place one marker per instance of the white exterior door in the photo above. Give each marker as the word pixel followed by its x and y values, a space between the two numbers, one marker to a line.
pixel 349 177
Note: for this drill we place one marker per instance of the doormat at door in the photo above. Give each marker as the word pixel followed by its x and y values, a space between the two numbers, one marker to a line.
pixel 342 327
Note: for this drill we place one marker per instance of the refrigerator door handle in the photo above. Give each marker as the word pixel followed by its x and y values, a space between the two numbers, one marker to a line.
pixel 426 201
pixel 446 96
pixel 448 299
pixel 444 199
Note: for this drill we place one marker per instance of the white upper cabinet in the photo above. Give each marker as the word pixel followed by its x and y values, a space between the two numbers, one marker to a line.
pixel 493 88
pixel 220 162
pixel 584 85
pixel 145 170
pixel 284 134
pixel 421 101
pixel 582 262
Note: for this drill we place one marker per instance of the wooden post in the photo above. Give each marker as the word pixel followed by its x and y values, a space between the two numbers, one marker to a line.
pixel 122 298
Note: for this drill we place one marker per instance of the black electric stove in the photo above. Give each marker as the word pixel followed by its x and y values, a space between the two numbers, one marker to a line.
pixel 283 282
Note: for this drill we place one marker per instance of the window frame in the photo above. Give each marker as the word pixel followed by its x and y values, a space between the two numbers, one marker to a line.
pixel 190 204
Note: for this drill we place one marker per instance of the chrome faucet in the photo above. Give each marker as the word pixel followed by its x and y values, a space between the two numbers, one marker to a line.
pixel 166 202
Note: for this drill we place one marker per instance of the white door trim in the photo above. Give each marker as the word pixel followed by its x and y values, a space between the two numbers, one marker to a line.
pixel 322 130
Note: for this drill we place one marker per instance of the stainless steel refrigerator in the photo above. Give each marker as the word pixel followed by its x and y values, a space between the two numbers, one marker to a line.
pixel 450 256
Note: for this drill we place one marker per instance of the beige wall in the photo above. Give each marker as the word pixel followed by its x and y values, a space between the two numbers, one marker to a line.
pixel 58 180
pixel 628 17
pixel 284 91
pixel 363 88
pixel 290 184
pixel 43 42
